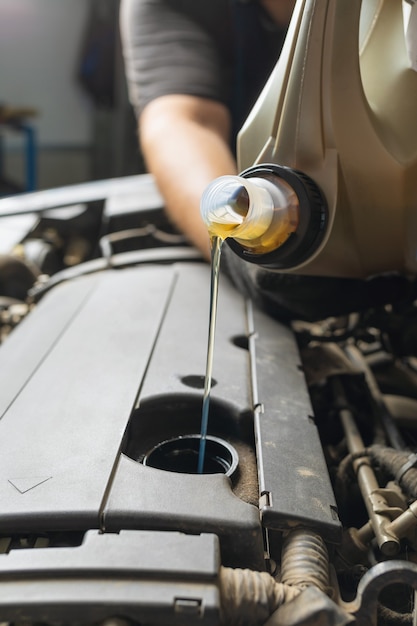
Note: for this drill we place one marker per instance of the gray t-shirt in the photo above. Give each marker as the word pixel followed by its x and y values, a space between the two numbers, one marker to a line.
pixel 218 49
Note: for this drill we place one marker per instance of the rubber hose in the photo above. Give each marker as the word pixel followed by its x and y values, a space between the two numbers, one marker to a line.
pixel 394 461
pixel 248 598
pixel 305 560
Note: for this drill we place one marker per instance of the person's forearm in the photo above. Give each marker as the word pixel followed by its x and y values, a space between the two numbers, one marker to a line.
pixel 185 145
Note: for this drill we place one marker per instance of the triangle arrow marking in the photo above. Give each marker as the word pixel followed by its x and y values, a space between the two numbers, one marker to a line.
pixel 26 484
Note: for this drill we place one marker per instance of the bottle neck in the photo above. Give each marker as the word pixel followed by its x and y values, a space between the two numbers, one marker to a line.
pixel 269 214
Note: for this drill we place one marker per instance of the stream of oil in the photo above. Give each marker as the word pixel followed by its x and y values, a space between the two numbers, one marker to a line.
pixel 216 245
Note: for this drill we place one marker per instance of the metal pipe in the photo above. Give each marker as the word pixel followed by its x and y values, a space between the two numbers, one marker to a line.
pixel 391 430
pixel 375 502
pixel 402 524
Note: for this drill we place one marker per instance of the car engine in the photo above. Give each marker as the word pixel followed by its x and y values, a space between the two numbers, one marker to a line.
pixel 306 512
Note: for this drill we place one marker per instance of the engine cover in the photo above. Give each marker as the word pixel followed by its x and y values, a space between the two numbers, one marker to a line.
pixel 109 365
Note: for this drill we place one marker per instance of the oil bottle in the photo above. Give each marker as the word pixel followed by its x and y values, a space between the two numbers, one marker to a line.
pixel 335 132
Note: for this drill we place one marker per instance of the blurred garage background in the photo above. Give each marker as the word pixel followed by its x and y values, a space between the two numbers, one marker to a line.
pixel 64 111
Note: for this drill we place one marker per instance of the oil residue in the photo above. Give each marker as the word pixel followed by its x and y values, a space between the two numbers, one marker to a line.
pixel 216 245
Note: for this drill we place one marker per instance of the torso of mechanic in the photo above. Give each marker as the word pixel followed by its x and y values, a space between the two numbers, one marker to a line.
pixel 218 49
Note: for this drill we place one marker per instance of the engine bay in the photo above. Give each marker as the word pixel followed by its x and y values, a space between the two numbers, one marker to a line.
pixel 306 512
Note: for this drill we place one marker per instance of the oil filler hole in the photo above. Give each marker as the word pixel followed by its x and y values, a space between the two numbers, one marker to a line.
pixel 181 455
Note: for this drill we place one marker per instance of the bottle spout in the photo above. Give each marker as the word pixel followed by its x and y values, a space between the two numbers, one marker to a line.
pixel 271 215
pixel 232 206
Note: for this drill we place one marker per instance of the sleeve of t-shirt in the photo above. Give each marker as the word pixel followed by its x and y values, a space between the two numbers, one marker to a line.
pixel 167 52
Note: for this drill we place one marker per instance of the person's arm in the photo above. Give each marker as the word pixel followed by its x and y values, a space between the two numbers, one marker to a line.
pixel 185 142
pixel 178 80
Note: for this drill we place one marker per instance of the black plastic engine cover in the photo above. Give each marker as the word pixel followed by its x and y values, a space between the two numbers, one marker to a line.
pixel 107 365
pixel 149 577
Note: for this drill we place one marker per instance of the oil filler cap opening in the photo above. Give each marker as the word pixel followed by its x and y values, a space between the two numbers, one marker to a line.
pixel 180 455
